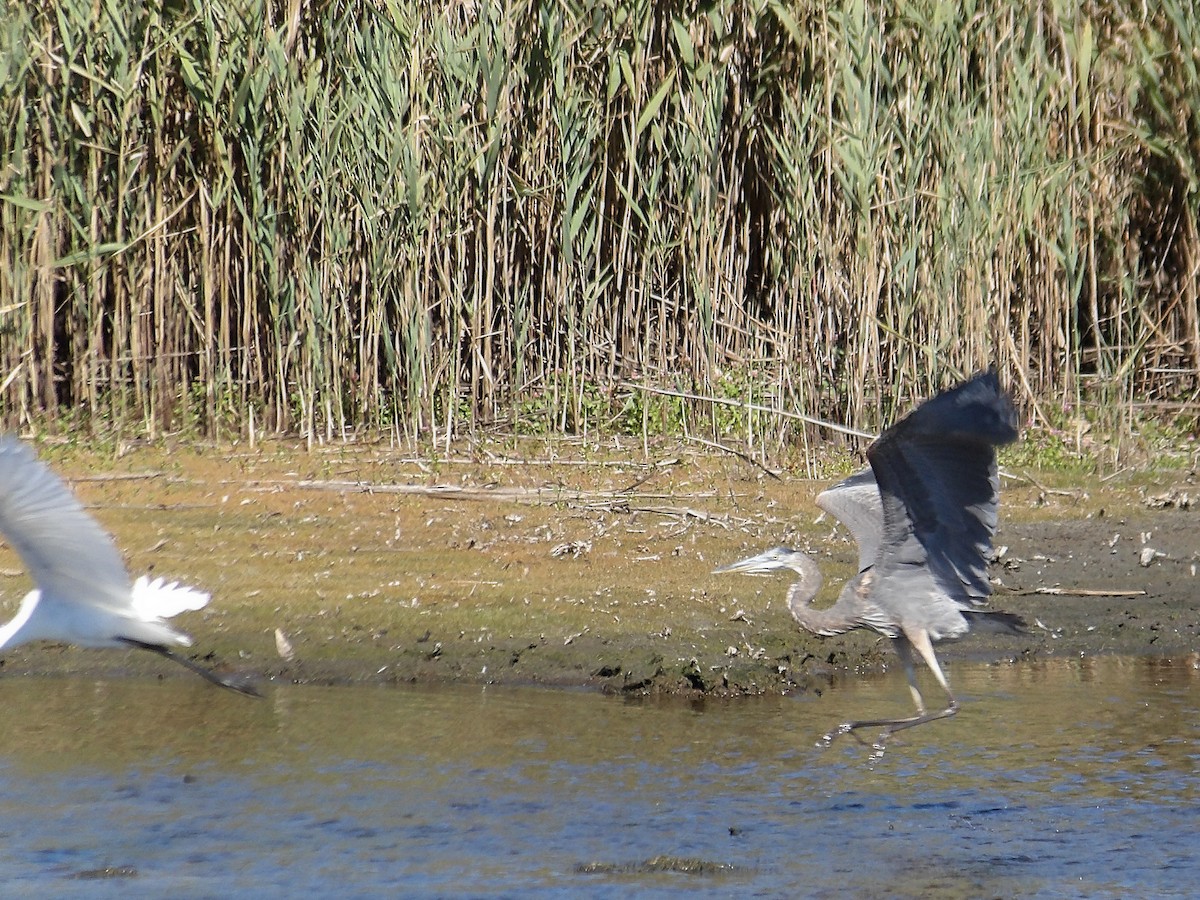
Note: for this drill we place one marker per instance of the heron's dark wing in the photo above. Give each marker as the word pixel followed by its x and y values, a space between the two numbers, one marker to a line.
pixel 855 502
pixel 939 489
pixel 67 552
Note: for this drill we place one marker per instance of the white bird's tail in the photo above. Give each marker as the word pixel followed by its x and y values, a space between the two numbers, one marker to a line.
pixel 158 599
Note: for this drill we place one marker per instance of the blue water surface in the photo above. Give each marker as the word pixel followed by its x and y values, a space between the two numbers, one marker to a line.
pixel 1057 779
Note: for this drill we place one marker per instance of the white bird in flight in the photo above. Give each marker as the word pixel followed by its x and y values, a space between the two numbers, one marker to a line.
pixel 83 594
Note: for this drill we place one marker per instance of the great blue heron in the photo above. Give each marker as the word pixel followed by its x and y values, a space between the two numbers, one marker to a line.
pixel 923 515
pixel 83 594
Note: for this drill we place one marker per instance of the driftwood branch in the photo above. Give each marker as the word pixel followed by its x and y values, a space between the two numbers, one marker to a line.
pixel 117 476
pixel 612 501
pixel 1080 592
pixel 1042 489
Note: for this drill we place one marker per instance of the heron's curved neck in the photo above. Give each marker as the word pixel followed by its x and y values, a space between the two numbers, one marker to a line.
pixel 800 596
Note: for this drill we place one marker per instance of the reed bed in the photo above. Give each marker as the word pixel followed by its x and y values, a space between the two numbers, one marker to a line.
pixel 329 217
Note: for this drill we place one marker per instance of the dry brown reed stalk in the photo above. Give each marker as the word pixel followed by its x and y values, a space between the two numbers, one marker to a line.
pixel 435 220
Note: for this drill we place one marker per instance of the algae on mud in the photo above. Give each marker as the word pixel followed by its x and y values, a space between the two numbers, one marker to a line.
pixel 378 566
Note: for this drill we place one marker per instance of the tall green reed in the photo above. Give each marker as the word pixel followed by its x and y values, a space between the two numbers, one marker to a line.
pixel 346 216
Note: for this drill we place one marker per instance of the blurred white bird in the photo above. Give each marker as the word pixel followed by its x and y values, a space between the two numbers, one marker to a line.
pixel 83 593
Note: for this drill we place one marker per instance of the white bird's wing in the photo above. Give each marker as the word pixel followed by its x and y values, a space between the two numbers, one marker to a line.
pixel 69 555
pixel 855 502
pixel 159 598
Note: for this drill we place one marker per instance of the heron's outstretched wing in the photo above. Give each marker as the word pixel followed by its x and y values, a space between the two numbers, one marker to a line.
pixel 855 502
pixel 938 486
pixel 66 551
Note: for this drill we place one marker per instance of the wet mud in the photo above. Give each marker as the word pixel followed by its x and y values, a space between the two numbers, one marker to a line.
pixel 579 566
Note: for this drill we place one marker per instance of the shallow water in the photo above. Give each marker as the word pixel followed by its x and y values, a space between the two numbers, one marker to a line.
pixel 1063 779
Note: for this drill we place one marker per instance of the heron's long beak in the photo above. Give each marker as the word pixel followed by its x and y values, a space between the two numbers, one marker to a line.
pixel 760 564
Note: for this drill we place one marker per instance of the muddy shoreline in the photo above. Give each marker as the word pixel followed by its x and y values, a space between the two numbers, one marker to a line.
pixel 365 564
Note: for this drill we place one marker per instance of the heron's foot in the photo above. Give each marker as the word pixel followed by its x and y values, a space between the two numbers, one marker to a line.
pixel 844 729
pixel 920 719
pixel 889 726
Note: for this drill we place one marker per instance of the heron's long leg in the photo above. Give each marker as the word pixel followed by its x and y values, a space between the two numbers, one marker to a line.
pixel 904 646
pixel 904 651
pixel 920 640
pixel 233 682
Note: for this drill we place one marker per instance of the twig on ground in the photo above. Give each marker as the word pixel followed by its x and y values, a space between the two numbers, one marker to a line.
pixel 1080 592
pixel 738 453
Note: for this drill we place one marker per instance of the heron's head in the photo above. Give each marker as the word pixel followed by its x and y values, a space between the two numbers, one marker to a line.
pixel 777 559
